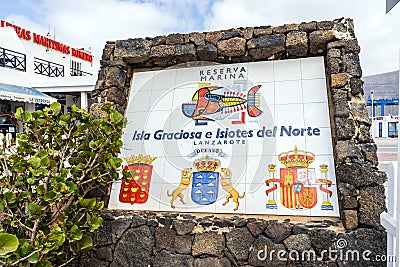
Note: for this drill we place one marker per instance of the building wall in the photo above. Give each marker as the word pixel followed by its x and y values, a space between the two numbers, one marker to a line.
pixel 160 239
pixel 67 84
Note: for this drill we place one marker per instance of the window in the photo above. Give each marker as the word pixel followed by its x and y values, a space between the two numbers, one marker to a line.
pixel 380 129
pixel 392 130
pixel 76 68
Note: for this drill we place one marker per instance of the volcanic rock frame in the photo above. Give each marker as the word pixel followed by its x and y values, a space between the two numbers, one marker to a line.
pixel 160 239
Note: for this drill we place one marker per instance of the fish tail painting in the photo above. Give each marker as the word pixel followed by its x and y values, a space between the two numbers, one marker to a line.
pixel 211 103
pixel 252 103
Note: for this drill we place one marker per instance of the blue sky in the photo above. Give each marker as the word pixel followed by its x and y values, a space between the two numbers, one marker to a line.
pixel 90 23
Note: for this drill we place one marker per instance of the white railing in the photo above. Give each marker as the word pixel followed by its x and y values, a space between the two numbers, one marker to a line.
pixel 391 219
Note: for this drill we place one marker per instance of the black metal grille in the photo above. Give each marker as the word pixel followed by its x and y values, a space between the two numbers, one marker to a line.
pixel 48 68
pixel 12 59
pixel 76 72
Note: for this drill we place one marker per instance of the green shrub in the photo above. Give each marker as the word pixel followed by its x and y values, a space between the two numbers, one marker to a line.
pixel 46 217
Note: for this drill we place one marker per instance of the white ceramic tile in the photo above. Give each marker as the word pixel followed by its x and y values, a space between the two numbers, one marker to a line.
pixel 161 100
pixel 157 105
pixel 131 147
pixel 187 75
pixel 234 73
pixel 316 115
pixel 258 145
pixel 314 91
pixel 262 71
pixel 288 92
pixel 267 93
pixel 113 202
pixel 321 210
pixel 257 170
pixel 237 167
pixel 142 81
pixel 164 79
pixel 289 115
pixel 179 148
pixel 183 94
pixel 321 144
pixel 136 121
pixel 194 207
pixel 139 101
pixel 287 70
pixel 157 120
pixel 257 199
pixel 154 148
pixel 223 74
pixel 312 68
pixel 237 194
pixel 173 166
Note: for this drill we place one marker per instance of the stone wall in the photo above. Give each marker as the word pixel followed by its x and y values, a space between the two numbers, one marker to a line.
pixel 360 183
pixel 181 240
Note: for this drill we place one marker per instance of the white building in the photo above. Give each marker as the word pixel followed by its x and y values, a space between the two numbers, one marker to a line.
pixel 32 64
pixel 385 126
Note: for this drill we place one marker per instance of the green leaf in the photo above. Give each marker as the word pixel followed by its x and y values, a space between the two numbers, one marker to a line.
pixel 41 153
pixel 3 204
pixel 65 117
pixel 10 197
pixel 116 117
pixel 18 114
pixel 34 209
pixel 75 234
pixel 49 196
pixel 8 243
pixel 43 263
pixel 24 248
pixel 106 107
pixel 112 163
pixel 31 180
pixel 34 258
pixel 84 244
pixel 34 161
pixel 99 206
pixel 55 106
pixel 27 116
pixel 41 190
pixel 95 222
pixel 88 203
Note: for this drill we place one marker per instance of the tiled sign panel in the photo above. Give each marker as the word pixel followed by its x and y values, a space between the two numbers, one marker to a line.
pixel 248 138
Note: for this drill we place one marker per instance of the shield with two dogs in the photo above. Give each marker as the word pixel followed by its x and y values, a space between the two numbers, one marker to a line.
pixel 205 187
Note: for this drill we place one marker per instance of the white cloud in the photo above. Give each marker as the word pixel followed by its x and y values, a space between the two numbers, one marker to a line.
pixel 376 31
pixel 90 23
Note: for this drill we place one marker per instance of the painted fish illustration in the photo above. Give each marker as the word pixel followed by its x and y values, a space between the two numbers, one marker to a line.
pixel 217 103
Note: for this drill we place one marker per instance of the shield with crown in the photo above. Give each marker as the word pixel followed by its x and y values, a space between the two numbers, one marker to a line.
pixel 298 183
pixel 205 181
pixel 135 189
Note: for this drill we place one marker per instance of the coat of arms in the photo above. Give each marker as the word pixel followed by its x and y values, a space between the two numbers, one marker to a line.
pixel 205 182
pixel 298 183
pixel 135 189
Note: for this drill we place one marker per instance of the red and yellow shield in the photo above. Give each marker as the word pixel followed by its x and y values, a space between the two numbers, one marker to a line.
pixel 308 197
pixel 293 192
pixel 136 189
pixel 288 176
